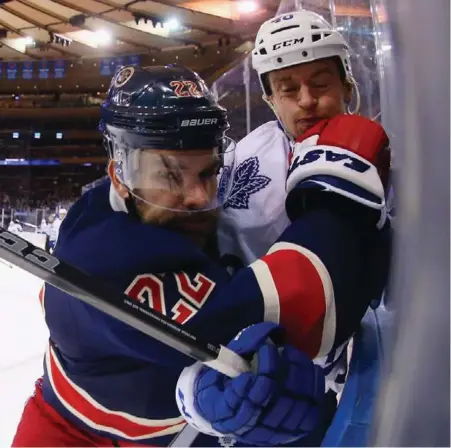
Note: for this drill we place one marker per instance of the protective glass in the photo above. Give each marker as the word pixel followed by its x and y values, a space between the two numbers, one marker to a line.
pixel 187 180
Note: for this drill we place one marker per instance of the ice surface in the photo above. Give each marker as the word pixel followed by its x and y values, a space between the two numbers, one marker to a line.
pixel 23 338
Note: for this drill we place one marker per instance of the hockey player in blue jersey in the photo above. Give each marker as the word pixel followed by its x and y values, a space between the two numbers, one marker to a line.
pixel 150 231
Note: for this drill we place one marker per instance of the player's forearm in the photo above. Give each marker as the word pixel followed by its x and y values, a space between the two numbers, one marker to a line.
pixel 317 280
pixel 327 267
pixel 337 247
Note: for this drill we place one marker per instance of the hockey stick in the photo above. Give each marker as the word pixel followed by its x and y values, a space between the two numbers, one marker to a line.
pixel 27 224
pixel 102 296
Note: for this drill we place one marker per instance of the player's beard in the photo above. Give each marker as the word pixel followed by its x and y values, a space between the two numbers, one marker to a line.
pixel 198 226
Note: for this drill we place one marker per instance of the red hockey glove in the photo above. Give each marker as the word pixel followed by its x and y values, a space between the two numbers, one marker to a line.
pixel 347 155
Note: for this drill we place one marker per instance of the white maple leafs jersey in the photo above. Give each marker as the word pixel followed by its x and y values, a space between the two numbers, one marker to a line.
pixel 254 216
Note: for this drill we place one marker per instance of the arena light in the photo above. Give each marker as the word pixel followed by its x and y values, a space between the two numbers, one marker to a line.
pixel 172 24
pixel 59 135
pixel 101 37
pixel 37 135
pixel 246 6
pixel 26 41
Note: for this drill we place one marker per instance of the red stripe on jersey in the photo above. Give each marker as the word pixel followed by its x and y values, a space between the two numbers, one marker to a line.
pixel 41 298
pixel 41 295
pixel 305 297
pixel 84 407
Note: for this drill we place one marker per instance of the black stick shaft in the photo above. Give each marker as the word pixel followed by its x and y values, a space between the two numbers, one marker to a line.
pixel 102 296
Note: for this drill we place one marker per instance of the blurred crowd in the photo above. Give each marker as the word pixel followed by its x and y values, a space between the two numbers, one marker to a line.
pixel 54 100
pixel 26 203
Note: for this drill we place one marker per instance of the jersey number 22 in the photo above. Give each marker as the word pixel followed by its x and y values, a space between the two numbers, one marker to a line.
pixel 193 293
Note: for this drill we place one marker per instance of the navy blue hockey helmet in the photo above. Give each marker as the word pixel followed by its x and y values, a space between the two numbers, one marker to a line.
pixel 161 125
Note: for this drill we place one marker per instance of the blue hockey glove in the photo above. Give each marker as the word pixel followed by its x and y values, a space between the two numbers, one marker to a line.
pixel 277 402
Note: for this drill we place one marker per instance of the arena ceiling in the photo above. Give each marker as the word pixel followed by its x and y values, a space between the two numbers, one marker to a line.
pixel 208 36
pixel 75 29
pixel 81 29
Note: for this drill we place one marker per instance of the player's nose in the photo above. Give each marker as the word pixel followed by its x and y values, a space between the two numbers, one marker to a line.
pixel 196 197
pixel 306 98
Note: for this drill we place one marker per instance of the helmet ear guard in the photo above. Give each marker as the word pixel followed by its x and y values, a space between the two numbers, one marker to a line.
pixel 108 145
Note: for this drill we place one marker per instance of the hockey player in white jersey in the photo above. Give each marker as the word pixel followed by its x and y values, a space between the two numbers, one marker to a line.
pixel 304 69
pixel 312 81
pixel 53 226
pixel 15 226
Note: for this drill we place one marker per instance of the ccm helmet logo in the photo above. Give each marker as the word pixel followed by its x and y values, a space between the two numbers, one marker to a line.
pixel 287 43
pixel 199 122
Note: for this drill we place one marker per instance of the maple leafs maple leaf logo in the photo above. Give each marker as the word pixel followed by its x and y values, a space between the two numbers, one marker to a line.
pixel 246 182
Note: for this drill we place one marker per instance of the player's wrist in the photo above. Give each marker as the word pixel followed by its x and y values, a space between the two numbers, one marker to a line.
pixel 186 400
pixel 301 201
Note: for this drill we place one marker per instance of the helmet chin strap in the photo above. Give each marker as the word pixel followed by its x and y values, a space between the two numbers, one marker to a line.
pixel 355 87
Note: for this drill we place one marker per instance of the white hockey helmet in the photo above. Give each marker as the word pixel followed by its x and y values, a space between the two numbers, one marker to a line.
pixel 297 38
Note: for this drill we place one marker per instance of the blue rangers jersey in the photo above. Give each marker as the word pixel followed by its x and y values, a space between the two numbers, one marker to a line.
pixel 115 381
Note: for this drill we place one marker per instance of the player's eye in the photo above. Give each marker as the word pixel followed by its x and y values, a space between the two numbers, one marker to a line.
pixel 169 176
pixel 320 83
pixel 213 171
pixel 288 89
